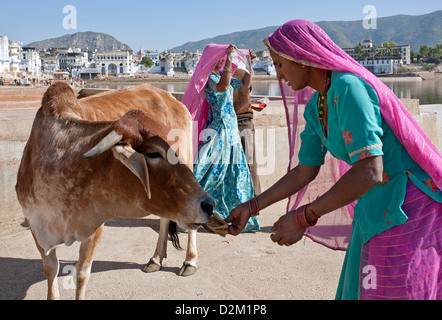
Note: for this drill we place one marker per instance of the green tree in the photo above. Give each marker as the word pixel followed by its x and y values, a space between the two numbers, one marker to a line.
pixel 147 62
pixel 359 50
pixel 424 50
pixel 387 44
pixel 431 55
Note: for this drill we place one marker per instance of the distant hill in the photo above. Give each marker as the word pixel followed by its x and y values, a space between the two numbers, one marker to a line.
pixel 402 29
pixel 83 40
pixel 243 40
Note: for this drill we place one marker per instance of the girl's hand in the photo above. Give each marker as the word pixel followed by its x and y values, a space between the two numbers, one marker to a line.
pixel 230 49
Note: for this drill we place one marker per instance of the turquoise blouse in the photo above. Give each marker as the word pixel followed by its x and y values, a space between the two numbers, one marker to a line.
pixel 357 130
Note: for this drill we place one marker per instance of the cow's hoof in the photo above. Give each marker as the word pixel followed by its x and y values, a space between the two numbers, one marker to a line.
pixel 152 266
pixel 187 269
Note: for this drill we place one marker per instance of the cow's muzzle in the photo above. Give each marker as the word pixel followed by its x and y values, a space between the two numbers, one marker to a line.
pixel 208 205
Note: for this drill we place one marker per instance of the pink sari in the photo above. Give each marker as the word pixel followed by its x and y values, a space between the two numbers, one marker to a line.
pixel 407 258
pixel 304 42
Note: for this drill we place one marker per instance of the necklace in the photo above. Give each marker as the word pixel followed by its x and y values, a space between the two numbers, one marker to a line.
pixel 322 100
pixel 323 97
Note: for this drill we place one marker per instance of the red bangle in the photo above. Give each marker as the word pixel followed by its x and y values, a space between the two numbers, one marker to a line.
pixel 257 207
pixel 301 219
pixel 254 209
pixel 313 212
pixel 250 208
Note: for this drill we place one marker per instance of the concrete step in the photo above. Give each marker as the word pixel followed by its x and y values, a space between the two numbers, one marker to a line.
pixel 19 105
pixel 21 98
pixel 4 91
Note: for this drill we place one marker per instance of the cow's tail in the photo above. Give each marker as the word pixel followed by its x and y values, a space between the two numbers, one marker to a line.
pixel 173 233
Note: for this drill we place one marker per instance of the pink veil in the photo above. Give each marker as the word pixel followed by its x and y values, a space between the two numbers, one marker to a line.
pixel 306 43
pixel 194 98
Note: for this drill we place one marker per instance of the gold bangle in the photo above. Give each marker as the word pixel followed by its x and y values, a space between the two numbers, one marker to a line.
pixel 313 212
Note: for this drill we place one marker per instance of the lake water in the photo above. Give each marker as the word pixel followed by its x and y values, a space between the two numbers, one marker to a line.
pixel 427 91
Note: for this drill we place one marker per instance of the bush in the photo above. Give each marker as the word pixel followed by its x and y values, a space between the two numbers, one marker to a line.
pixel 429 67
pixel 147 62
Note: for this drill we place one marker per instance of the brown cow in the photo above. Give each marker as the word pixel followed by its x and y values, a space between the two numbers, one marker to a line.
pixel 91 160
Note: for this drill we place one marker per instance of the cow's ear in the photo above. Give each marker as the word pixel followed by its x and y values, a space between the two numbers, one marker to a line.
pixel 135 162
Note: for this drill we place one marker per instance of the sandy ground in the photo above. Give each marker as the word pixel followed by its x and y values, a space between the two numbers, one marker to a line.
pixel 247 267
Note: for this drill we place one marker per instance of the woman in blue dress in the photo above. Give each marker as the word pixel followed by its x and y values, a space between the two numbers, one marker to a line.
pixel 220 164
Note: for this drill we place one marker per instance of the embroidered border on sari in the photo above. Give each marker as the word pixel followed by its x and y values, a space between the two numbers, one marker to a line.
pixel 374 146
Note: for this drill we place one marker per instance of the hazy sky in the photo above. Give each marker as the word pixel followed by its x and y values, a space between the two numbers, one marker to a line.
pixel 164 24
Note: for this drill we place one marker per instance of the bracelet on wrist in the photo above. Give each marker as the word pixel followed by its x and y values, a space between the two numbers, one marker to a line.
pixel 313 211
pixel 227 69
pixel 301 219
pixel 253 207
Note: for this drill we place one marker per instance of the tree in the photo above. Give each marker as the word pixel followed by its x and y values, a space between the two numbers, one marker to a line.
pixel 147 62
pixel 424 50
pixel 387 44
pixel 359 49
pixel 431 55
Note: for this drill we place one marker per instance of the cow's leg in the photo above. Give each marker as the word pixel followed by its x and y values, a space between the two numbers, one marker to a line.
pixel 190 265
pixel 84 264
pixel 155 263
pixel 50 267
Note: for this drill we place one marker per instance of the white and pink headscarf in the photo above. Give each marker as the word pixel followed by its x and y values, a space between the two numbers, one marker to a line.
pixel 306 43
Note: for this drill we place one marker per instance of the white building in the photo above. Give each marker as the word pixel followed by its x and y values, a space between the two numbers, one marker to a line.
pixel 170 63
pixel 49 61
pixel 192 61
pixel 30 61
pixel 5 60
pixel 265 62
pixel 405 52
pixel 115 63
pixel 15 51
pixel 166 63
pixel 72 58
pixel 380 59
pixel 381 66
pixel 155 57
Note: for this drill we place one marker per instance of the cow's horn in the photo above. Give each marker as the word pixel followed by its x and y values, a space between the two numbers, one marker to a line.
pixel 105 144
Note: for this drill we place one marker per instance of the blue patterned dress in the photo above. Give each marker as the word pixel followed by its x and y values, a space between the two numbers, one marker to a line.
pixel 220 165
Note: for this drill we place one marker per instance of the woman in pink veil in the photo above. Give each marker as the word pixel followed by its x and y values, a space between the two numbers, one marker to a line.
pixel 368 163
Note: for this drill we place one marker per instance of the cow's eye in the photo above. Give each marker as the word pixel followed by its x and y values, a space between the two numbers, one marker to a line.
pixel 154 155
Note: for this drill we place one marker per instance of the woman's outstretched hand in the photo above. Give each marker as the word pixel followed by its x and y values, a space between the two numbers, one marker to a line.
pixel 238 217
pixel 286 231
